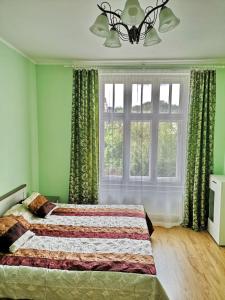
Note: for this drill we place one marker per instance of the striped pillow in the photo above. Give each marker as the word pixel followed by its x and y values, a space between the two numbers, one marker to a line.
pixel 39 205
pixel 14 231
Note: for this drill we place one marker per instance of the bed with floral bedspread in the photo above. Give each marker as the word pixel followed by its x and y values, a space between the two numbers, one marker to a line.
pixel 83 252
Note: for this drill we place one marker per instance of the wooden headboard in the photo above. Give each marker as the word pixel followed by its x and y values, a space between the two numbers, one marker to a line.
pixel 13 197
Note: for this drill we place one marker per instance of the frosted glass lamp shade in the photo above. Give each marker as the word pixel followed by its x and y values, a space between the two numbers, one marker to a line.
pixel 101 26
pixel 113 40
pixel 167 20
pixel 152 37
pixel 132 14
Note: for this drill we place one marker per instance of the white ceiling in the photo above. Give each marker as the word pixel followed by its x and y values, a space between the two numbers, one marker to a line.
pixel 59 30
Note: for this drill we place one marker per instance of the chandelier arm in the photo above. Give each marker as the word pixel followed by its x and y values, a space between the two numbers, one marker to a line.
pixel 148 23
pixel 121 33
pixel 123 36
pixel 156 13
pixel 109 12
pixel 124 25
pixel 118 24
pixel 147 10
pixel 151 11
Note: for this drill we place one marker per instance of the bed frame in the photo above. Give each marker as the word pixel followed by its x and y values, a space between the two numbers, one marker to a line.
pixel 13 197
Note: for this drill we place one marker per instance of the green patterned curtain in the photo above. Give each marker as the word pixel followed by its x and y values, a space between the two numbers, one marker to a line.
pixel 83 186
pixel 200 148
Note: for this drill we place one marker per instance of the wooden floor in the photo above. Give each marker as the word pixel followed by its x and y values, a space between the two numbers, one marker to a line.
pixel 189 264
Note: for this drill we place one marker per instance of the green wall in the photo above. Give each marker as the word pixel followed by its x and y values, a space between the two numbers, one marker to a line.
pixel 219 142
pixel 54 118
pixel 18 121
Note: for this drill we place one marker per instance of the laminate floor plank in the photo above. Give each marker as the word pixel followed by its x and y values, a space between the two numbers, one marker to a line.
pixel 190 265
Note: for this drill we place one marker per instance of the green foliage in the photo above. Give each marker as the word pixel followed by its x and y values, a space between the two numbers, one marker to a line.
pixel 167 149
pixel 140 145
pixel 140 148
pixel 113 155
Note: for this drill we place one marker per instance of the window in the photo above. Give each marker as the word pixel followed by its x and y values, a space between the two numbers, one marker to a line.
pixel 113 100
pixel 142 129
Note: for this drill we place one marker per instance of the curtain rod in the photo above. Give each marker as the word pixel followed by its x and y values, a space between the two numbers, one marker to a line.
pixel 171 67
pixel 148 64
pixel 137 71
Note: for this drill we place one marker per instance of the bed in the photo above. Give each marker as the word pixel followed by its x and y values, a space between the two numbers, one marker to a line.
pixel 80 252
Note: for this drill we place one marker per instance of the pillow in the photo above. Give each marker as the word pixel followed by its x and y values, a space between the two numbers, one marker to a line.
pixel 14 232
pixel 39 205
pixel 21 241
pixel 20 210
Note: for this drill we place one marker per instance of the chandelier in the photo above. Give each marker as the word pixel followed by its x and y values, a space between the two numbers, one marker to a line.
pixel 133 23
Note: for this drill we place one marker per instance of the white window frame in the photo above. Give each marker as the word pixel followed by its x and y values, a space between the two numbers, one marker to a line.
pixel 155 78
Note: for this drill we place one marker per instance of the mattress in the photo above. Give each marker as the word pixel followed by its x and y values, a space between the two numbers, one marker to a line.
pixel 83 252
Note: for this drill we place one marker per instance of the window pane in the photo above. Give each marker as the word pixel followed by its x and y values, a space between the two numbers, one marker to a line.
pixel 147 98
pixel 119 96
pixel 140 148
pixel 113 150
pixel 167 149
pixel 108 100
pixel 136 98
pixel 164 103
pixel 175 103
